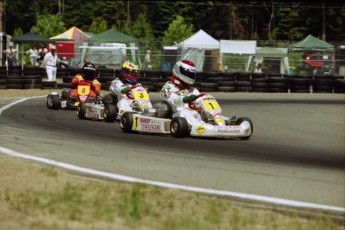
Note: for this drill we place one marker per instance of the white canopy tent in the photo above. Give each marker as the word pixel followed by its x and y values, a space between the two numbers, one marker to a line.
pixel 193 48
pixel 110 55
pixel 238 46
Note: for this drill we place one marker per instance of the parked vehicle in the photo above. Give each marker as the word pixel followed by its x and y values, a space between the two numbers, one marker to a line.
pixel 322 64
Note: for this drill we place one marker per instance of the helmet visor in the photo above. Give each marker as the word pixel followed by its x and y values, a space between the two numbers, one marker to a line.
pixel 188 72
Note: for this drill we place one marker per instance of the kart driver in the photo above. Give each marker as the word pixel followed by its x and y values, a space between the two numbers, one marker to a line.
pixel 88 75
pixel 179 92
pixel 123 85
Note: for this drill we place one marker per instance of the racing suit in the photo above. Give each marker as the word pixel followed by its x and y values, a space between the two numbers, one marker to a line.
pixel 178 99
pixel 96 85
pixel 124 95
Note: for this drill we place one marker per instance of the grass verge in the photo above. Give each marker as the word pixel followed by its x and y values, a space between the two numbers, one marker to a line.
pixel 34 196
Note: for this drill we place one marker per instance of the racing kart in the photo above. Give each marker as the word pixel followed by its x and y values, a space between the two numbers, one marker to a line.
pixel 210 124
pixel 67 101
pixel 140 101
pixel 96 110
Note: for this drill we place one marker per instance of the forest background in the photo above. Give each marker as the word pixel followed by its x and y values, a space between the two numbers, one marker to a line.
pixel 165 23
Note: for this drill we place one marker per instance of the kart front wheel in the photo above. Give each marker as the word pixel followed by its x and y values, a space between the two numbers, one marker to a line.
pixel 53 102
pixel 126 122
pixel 81 110
pixel 110 113
pixel 179 127
pixel 242 119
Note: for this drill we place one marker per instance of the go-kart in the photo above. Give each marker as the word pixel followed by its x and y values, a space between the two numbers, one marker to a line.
pixel 96 110
pixel 140 101
pixel 210 124
pixel 67 100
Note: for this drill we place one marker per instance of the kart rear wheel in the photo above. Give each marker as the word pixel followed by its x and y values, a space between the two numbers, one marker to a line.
pixel 110 113
pixel 53 102
pixel 110 99
pixel 242 119
pixel 126 122
pixel 179 127
pixel 81 110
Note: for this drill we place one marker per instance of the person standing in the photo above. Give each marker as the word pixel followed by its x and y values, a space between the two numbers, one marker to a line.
pixel 148 60
pixel 10 54
pixel 33 53
pixel 50 61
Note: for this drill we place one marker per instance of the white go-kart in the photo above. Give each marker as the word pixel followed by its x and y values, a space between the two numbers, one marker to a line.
pixel 211 123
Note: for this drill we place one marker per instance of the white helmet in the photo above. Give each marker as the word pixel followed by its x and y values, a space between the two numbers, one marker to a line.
pixel 184 72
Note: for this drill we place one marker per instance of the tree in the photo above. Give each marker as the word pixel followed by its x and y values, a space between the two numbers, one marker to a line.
pixel 49 25
pixel 289 24
pixel 98 26
pixel 177 31
pixel 142 30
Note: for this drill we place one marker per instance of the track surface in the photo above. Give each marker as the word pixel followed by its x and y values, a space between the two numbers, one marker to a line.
pixel 297 150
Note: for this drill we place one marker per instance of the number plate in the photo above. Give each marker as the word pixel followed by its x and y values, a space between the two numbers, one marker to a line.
pixel 83 89
pixel 141 96
pixel 210 104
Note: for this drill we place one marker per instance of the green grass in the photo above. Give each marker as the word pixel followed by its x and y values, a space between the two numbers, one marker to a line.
pixel 55 199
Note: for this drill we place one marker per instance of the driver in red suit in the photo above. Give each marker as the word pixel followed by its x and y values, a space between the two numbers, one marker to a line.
pixel 88 75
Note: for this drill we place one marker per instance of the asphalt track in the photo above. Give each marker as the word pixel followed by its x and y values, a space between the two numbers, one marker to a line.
pixel 297 151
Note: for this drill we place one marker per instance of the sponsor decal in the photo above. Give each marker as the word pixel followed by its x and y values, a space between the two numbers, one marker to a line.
pixel 151 128
pixel 64 104
pixel 200 129
pixel 144 120
pixel 91 115
pixel 227 129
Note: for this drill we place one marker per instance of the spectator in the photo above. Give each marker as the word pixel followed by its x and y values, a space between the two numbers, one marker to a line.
pixel 50 61
pixel 148 60
pixel 33 53
pixel 10 53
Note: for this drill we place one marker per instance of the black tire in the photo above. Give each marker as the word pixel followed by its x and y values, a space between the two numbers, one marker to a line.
pixel 110 99
pixel 53 102
pixel 242 119
pixel 110 113
pixel 126 122
pixel 81 110
pixel 14 86
pixel 226 89
pixel 179 127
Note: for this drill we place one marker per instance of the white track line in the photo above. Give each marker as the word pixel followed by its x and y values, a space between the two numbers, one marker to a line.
pixel 272 200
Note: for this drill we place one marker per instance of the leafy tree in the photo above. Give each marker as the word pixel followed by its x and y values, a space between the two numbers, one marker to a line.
pixel 17 32
pixel 289 25
pixel 49 25
pixel 142 30
pixel 98 26
pixel 177 31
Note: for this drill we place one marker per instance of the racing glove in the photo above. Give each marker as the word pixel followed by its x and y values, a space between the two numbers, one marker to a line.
pixel 188 99
pixel 126 89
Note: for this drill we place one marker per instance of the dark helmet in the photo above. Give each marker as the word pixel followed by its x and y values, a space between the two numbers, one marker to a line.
pixel 184 73
pixel 130 71
pixel 89 71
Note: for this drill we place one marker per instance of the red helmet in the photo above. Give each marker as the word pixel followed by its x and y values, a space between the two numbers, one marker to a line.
pixel 184 72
